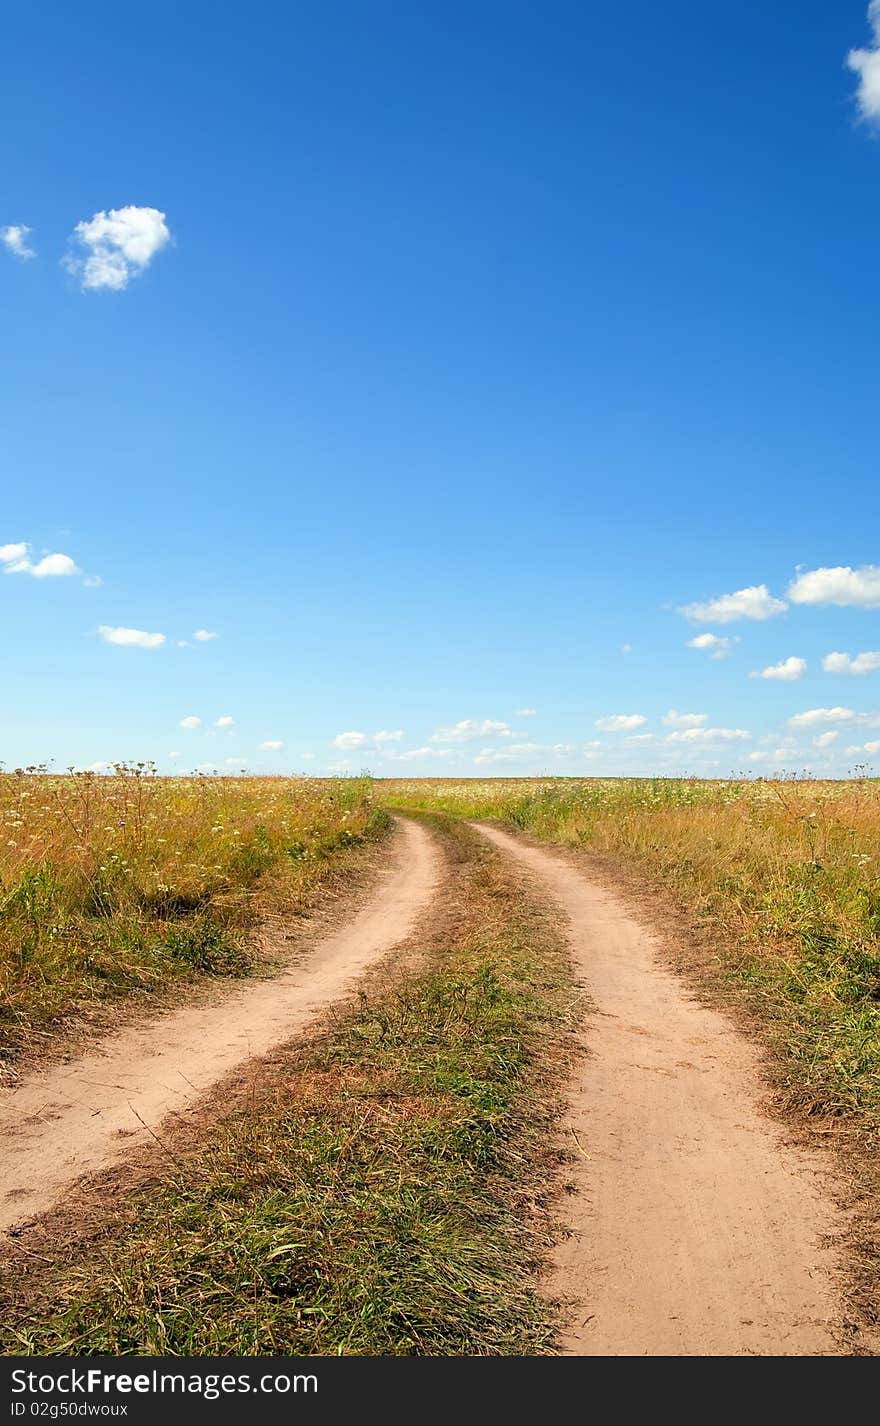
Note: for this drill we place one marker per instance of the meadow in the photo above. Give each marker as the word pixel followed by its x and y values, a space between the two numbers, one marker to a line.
pixel 120 886
pixel 782 878
pixel 389 1183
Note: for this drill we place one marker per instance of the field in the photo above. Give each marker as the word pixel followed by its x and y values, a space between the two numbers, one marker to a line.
pixel 390 1181
pixel 120 886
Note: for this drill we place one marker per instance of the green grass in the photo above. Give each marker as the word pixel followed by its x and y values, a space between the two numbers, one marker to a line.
pixel 384 1193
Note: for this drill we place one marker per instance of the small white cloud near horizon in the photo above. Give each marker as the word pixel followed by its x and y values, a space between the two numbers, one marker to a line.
pixel 271 745
pixel 814 717
pixel 753 602
pixel 840 585
pixel 526 713
pixel 674 719
pixel 708 735
pixel 842 663
pixel 620 722
pixel 521 752
pixel 375 741
pixel 224 722
pixel 414 753
pixel 130 638
pixel 787 670
pixel 119 244
pixel 715 644
pixel 190 722
pixel 204 636
pixel 866 64
pixel 175 755
pixel 825 740
pixel 14 238
pixel 470 729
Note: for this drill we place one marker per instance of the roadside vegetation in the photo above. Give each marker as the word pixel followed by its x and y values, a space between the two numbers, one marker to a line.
pixel 382 1191
pixel 783 875
pixel 112 886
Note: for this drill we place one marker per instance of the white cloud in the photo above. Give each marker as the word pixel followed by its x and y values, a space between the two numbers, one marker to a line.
pixel 344 765
pixel 470 729
pixel 842 663
pixel 191 722
pixel 521 752
pixel 841 585
pixel 787 670
pixel 349 740
pixel 715 644
pixel 641 738
pixel 51 565
pixel 626 648
pixel 674 719
pixel 825 740
pixel 778 756
pixel 866 64
pixel 175 755
pixel 708 735
pixel 93 581
pixel 754 602
pixel 13 554
pixel 120 244
pixel 413 753
pixel 130 638
pixel 235 762
pixel 224 722
pixel 203 636
pixel 526 713
pixel 367 740
pixel 814 717
pixel 272 745
pixel 14 237
pixel 620 722
pixel 16 560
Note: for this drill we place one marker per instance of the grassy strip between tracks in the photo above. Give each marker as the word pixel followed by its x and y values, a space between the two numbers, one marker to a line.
pixel 385 1191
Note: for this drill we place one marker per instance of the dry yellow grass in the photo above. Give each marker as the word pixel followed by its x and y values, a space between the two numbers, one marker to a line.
pixel 110 885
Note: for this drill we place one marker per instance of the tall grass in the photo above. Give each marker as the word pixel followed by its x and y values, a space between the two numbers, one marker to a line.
pixel 111 885
pixel 786 873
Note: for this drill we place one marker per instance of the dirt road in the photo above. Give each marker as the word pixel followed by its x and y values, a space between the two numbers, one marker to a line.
pixel 695 1229
pixel 85 1115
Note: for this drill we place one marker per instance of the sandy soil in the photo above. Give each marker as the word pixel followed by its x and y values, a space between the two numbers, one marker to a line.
pixel 87 1114
pixel 695 1228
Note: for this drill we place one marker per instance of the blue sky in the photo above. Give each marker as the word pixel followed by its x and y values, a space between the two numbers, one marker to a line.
pixel 435 358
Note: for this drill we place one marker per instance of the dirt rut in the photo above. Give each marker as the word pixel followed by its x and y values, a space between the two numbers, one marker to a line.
pixel 78 1117
pixel 695 1229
